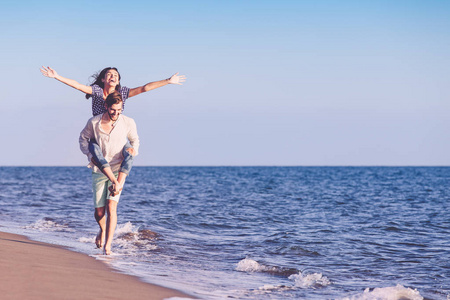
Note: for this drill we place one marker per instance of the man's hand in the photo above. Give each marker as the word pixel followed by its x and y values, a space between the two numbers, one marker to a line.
pixel 131 151
pixel 175 79
pixel 115 188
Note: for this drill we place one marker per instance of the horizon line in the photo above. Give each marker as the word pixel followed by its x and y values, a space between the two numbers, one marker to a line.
pixel 231 166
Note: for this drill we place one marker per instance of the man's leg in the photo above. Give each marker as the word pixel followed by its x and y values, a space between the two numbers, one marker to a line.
pixel 101 220
pixel 111 223
pixel 100 189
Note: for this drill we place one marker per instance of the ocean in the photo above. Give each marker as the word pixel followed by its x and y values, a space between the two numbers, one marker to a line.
pixel 253 232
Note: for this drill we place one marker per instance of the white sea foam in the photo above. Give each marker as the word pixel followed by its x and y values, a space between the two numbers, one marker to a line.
pixel 132 240
pixel 388 293
pixel 310 281
pixel 314 280
pixel 268 287
pixel 48 225
pixel 125 228
pixel 249 265
pixel 129 240
pixel 87 240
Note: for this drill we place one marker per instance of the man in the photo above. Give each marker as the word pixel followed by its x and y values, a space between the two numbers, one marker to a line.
pixel 111 130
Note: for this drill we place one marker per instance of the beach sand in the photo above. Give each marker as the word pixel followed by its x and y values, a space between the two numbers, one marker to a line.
pixel 35 270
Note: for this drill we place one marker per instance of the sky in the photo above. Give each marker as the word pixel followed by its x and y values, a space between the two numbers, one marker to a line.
pixel 269 83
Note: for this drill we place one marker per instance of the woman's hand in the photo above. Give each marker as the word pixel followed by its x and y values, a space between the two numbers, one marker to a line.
pixel 175 79
pixel 48 72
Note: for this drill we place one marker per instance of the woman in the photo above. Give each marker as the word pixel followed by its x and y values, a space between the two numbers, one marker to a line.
pixel 106 82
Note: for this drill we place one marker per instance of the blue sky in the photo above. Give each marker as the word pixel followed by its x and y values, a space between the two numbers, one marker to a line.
pixel 269 82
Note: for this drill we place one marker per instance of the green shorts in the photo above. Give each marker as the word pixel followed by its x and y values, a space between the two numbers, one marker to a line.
pixel 100 185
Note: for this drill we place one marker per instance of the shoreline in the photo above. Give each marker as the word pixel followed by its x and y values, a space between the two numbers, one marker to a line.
pixel 37 270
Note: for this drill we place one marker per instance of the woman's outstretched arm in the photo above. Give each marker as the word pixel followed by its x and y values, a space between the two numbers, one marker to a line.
pixel 50 73
pixel 174 79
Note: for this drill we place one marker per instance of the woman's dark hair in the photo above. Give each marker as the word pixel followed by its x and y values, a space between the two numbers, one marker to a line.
pixel 113 98
pixel 101 75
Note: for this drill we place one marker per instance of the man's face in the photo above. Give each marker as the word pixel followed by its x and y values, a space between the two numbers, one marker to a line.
pixel 114 111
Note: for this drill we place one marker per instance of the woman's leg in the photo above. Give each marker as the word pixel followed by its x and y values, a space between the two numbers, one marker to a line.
pixel 97 155
pixel 127 162
pixel 99 160
pixel 125 168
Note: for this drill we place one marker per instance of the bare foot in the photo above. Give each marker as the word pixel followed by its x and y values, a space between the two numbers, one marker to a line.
pixel 99 239
pixel 107 250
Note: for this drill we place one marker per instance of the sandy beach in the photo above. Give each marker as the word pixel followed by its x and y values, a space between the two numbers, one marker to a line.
pixel 35 270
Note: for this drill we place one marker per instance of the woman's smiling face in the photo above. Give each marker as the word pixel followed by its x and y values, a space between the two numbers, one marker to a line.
pixel 111 78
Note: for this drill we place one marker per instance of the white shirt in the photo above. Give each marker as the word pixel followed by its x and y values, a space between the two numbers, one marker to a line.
pixel 111 143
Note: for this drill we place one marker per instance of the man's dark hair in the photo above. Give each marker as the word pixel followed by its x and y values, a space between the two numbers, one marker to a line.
pixel 113 98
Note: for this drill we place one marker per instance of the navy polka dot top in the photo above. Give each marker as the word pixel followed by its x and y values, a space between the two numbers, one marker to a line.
pixel 98 103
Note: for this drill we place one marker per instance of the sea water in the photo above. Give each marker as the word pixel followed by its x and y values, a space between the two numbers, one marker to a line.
pixel 254 232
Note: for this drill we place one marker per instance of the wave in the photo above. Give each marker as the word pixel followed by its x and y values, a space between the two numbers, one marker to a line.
pixel 130 240
pixel 250 265
pixel 50 225
pixel 300 279
pixel 314 280
pixel 398 292
pixel 129 232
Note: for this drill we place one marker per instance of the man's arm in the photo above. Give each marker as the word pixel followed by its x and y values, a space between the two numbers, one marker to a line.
pixel 86 134
pixel 133 137
pixel 174 79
